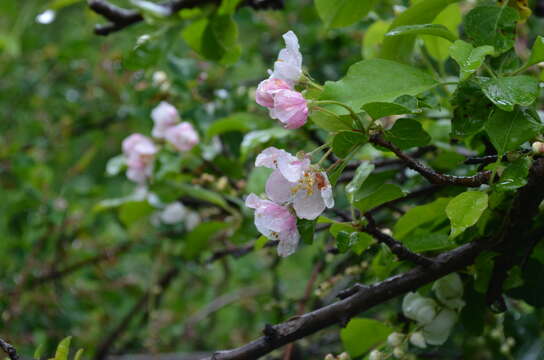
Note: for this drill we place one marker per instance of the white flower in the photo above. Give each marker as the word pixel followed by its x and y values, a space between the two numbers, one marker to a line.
pixel 395 339
pixel 288 67
pixel 449 291
pixel 376 355
pixel 438 330
pixel 418 340
pixel 419 308
pixel 173 213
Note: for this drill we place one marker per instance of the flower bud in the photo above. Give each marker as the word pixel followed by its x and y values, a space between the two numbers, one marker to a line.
pixel 398 353
pixel 344 356
pixel 164 116
pixel 538 147
pixel 449 290
pixel 182 136
pixel 419 308
pixel 290 108
pixel 395 339
pixel 376 355
pixel 266 90
pixel 329 357
pixel 418 340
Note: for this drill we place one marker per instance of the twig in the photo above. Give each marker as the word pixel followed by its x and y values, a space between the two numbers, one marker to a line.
pixel 9 349
pixel 433 176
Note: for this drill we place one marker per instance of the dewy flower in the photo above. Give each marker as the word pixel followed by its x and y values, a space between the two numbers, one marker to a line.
pixel 288 67
pixel 140 152
pixel 164 117
pixel 295 181
pixel 275 222
pixel 290 108
pixel 266 90
pixel 182 136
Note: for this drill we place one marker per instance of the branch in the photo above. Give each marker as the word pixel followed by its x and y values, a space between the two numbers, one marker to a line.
pixel 121 18
pixel 433 176
pixel 9 350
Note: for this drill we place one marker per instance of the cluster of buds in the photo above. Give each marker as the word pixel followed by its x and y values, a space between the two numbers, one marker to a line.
pixel 295 189
pixel 277 93
pixel 139 150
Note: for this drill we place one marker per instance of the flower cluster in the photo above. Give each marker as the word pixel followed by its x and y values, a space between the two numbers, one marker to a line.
pixel 296 188
pixel 139 150
pixel 277 93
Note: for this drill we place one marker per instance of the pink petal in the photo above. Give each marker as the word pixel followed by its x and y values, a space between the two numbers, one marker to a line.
pixel 278 189
pixel 288 242
pixel 309 206
pixel 164 116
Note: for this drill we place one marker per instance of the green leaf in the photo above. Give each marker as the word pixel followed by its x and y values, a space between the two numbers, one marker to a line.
pixel 423 29
pixel 215 38
pixel 260 242
pixel 508 130
pixel 420 215
pixel 306 228
pixel 492 25
pixel 373 38
pixel 537 52
pixel 407 133
pixel 421 241
pixel 451 17
pixel 197 240
pixel 402 105
pixel 362 335
pixel 257 179
pixel 471 109
pixel 254 139
pixel 345 142
pixel 115 165
pixel 241 122
pixel 146 53
pixel 331 122
pixel 79 354
pixel 515 175
pixel 362 243
pixel 39 351
pixel 343 241
pixel 63 349
pixel 376 80
pixel 465 209
pixel 422 12
pixel 368 200
pixel 228 7
pixel 361 174
pixel 468 57
pixel 509 91
pixel 341 13
pixel 133 211
pixel 197 192
pixel 533 286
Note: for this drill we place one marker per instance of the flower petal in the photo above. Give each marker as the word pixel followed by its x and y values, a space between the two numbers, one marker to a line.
pixel 309 206
pixel 278 189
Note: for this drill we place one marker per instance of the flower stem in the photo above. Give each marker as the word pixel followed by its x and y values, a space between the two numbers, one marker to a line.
pixel 324 156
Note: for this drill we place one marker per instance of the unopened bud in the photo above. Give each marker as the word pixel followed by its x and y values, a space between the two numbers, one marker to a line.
pixel 398 352
pixel 329 357
pixel 538 147
pixel 418 340
pixel 344 356
pixel 376 355
pixel 395 339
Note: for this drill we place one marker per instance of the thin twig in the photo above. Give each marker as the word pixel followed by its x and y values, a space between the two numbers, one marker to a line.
pixel 9 349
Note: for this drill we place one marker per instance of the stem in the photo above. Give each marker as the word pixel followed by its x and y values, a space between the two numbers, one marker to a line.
pixel 324 156
pixel 490 70
pixel 320 147
pixel 347 107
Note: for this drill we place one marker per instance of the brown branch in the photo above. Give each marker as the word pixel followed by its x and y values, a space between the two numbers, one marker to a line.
pixel 9 349
pixel 433 176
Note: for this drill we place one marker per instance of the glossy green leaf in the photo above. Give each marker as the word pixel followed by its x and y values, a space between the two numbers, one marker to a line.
pixel 492 25
pixel 509 91
pixel 407 133
pixel 306 229
pixel 361 174
pixel 341 13
pixel 508 130
pixel 451 18
pixel 423 29
pixel 465 210
pixel 345 142
pixel 343 241
pixel 368 200
pixel 421 241
pixel 468 57
pixel 63 349
pixel 402 105
pixel 362 335
pixel 373 39
pixel 537 52
pixel 376 80
pixel 471 109
pixel 515 175
pixel 422 12
pixel 420 215
pixel 331 122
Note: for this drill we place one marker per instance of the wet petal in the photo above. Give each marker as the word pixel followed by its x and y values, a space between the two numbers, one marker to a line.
pixel 309 206
pixel 278 189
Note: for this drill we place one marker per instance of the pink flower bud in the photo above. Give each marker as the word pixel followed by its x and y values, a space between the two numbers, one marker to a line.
pixel 182 136
pixel 290 108
pixel 164 116
pixel 140 152
pixel 266 90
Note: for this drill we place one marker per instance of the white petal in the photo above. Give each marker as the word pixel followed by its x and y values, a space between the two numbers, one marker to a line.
pixel 309 207
pixel 419 308
pixel 438 330
pixel 253 201
pixel 288 242
pixel 278 189
pixel 326 190
pixel 292 168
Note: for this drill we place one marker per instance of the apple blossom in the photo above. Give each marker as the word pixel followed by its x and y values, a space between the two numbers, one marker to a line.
pixel 182 136
pixel 266 90
pixel 395 339
pixel 419 308
pixel 164 117
pixel 439 329
pixel 275 222
pixel 290 108
pixel 418 340
pixel 295 181
pixel 140 152
pixel 288 67
pixel 449 291
pixel 173 213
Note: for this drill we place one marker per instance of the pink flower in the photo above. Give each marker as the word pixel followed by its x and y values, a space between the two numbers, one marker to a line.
pixel 164 117
pixel 266 90
pixel 296 182
pixel 290 108
pixel 275 222
pixel 288 67
pixel 182 136
pixel 140 152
